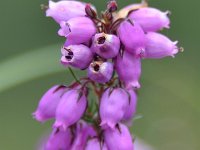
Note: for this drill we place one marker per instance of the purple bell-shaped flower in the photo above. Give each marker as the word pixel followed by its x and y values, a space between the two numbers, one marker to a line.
pixel 159 46
pixel 78 56
pixel 131 109
pixel 128 68
pixel 71 108
pixel 100 72
pixel 77 30
pixel 83 133
pixel 132 36
pixel 106 45
pixel 65 10
pixel 114 103
pixel 151 19
pixel 94 144
pixel 119 138
pixel 48 104
pixel 58 140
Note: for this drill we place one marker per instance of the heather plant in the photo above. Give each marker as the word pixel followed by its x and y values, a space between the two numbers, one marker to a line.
pixel 110 48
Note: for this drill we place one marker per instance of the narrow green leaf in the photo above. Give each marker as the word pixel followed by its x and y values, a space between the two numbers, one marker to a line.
pixel 29 65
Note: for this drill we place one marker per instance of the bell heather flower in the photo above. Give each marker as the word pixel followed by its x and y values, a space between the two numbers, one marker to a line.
pixel 151 19
pixel 78 56
pixel 71 108
pixel 132 36
pixel 159 46
pixel 65 10
pixel 131 109
pixel 94 144
pixel 128 68
pixel 111 48
pixel 100 72
pixel 119 138
pixel 77 30
pixel 114 103
pixel 83 133
pixel 106 45
pixel 58 140
pixel 47 106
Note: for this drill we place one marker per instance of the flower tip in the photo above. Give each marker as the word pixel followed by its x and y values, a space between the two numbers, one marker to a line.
pixel 51 3
pixel 37 116
pixel 64 30
pixel 105 125
pixel 60 125
pixel 133 85
pixel 63 61
pixel 167 26
pixel 140 52
pixel 168 12
pixel 175 49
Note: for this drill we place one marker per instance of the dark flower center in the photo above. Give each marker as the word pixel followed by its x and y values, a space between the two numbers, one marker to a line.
pixel 101 40
pixel 96 68
pixel 69 56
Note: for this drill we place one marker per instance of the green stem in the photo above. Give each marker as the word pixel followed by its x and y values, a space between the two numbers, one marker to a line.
pixel 74 76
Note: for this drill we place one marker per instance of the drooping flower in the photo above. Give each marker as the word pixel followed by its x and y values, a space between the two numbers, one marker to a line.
pixel 119 138
pixel 78 56
pixel 106 45
pixel 151 19
pixel 114 103
pixel 65 10
pixel 131 109
pixel 94 144
pixel 100 72
pixel 77 30
pixel 83 133
pixel 132 36
pixel 71 108
pixel 47 106
pixel 159 46
pixel 128 68
pixel 58 140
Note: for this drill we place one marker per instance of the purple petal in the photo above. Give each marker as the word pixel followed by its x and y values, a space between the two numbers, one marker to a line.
pixel 151 19
pixel 48 104
pixel 114 103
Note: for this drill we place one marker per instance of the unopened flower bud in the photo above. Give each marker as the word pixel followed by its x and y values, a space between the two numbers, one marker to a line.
pixel 114 103
pixel 159 46
pixel 47 106
pixel 106 45
pixel 119 138
pixel 58 140
pixel 77 30
pixel 78 56
pixel 131 109
pixel 100 72
pixel 90 11
pixel 112 6
pixel 65 10
pixel 128 68
pixel 71 108
pixel 132 36
pixel 151 19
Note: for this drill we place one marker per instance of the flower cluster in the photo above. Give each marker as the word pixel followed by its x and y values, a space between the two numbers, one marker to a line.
pixel 111 49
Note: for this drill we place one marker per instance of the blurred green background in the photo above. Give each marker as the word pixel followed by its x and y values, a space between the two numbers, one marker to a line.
pixel 29 64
